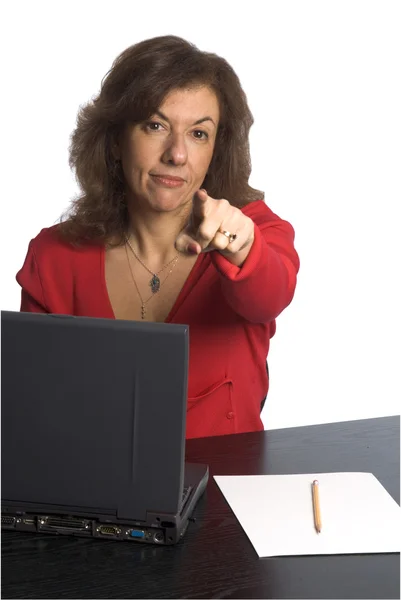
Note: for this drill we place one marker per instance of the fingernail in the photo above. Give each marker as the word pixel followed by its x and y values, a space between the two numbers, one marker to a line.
pixel 192 249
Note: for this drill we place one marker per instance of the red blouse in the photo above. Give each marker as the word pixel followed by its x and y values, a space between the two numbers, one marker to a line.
pixel 230 311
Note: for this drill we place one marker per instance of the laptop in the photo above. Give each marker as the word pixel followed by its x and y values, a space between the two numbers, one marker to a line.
pixel 93 428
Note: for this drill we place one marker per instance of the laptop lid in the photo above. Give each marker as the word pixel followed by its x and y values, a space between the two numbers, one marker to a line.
pixel 93 413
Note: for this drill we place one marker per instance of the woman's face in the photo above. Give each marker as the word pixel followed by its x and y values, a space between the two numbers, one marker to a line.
pixel 166 158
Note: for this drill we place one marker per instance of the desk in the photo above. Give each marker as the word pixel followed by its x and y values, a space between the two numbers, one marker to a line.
pixel 215 559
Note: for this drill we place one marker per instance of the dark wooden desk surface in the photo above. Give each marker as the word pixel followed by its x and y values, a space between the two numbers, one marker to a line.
pixel 216 559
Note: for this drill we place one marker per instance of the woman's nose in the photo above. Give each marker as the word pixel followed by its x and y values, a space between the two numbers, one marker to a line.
pixel 175 151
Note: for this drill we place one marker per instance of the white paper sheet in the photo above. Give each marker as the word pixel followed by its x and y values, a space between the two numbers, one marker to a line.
pixel 358 515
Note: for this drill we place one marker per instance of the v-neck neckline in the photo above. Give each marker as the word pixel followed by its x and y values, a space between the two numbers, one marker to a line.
pixel 200 265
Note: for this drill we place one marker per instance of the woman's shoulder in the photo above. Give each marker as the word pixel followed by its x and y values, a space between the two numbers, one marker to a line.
pixel 49 237
pixel 52 268
pixel 50 241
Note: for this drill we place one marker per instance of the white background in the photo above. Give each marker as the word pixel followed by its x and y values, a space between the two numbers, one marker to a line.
pixel 323 82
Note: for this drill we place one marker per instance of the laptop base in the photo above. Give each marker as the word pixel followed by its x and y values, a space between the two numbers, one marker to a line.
pixel 159 528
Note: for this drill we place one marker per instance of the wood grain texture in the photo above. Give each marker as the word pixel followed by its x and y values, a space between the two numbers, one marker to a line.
pixel 216 559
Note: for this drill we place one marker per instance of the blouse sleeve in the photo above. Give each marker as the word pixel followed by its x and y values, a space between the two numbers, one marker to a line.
pixel 264 285
pixel 32 296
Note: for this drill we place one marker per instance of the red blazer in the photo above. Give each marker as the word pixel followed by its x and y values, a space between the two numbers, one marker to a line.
pixel 230 311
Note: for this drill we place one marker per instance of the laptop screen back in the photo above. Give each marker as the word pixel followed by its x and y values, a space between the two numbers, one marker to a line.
pixel 93 413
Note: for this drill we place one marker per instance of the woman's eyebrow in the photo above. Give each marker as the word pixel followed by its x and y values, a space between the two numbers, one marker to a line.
pixel 198 122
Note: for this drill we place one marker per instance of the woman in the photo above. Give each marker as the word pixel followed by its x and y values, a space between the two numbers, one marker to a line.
pixel 167 227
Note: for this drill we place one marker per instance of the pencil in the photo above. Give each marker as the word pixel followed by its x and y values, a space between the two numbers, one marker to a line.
pixel 316 506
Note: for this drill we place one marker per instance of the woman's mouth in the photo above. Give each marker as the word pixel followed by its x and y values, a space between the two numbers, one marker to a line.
pixel 168 180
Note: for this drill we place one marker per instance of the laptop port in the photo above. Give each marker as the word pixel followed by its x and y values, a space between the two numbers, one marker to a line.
pixel 28 521
pixel 137 534
pixel 7 521
pixel 108 530
pixel 167 524
pixel 63 523
pixel 158 538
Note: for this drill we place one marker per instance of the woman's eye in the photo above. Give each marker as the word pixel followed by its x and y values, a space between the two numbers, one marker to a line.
pixel 153 126
pixel 200 135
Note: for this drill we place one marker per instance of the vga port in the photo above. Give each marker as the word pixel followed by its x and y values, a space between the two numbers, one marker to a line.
pixel 136 534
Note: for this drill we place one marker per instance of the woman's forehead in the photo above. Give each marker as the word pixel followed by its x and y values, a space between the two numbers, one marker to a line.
pixel 193 103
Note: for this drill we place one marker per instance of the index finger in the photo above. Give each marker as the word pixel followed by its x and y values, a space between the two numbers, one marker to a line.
pixel 199 200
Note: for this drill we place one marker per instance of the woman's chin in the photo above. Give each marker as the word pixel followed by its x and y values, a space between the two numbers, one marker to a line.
pixel 168 202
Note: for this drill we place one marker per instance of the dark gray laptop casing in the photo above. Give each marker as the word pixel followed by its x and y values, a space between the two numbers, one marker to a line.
pixel 93 419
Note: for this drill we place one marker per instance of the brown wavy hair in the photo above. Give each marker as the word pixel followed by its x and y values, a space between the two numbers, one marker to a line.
pixel 134 88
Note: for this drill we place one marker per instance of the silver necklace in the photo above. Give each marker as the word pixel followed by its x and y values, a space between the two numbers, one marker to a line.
pixel 154 283
pixel 144 302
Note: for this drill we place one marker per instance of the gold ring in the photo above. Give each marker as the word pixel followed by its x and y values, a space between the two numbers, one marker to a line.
pixel 231 236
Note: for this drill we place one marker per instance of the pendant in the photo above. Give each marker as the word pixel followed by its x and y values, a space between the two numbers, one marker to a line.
pixel 143 312
pixel 154 284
